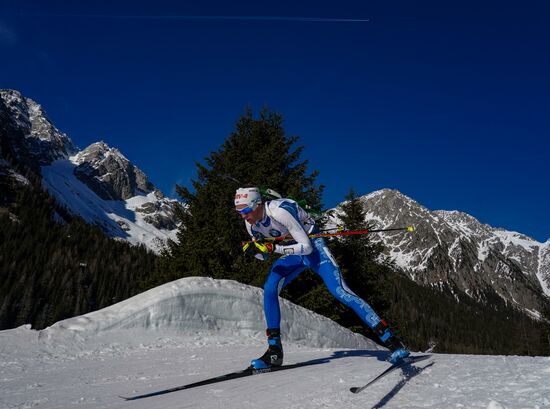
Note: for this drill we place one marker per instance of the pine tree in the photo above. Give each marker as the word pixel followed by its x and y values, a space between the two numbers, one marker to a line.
pixel 257 153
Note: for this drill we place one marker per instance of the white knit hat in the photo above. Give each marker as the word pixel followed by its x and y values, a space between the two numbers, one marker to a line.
pixel 247 197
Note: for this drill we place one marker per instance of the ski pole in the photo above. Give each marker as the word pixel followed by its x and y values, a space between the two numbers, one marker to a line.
pixel 366 231
pixel 336 233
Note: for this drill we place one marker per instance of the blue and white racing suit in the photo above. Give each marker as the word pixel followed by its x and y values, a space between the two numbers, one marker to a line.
pixel 283 217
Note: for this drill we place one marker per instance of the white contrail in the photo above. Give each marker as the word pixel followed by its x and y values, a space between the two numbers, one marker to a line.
pixel 182 17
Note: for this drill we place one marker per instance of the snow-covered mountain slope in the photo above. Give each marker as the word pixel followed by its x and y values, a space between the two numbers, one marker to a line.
pixel 197 328
pixel 146 218
pixel 453 249
pixel 98 183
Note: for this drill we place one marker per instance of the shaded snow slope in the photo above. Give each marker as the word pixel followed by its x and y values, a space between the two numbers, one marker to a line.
pixel 202 305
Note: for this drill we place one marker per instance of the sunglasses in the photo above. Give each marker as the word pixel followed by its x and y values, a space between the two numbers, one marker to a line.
pixel 246 210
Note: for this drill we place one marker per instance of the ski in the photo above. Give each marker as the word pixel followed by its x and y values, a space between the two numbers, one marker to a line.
pixel 233 375
pixel 404 362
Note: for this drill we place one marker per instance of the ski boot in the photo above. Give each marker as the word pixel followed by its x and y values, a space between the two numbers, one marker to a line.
pixel 392 342
pixel 274 354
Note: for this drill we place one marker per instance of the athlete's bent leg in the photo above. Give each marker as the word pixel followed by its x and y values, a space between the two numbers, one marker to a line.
pixel 283 271
pixel 324 264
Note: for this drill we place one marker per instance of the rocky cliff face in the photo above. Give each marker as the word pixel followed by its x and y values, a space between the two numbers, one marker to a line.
pixel 109 174
pixel 98 183
pixel 451 249
pixel 41 138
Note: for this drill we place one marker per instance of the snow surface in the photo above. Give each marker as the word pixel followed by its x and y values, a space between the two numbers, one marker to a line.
pixel 197 328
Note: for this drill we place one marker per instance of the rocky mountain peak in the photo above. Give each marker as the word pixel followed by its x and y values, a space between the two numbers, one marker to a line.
pixel 391 207
pixel 17 107
pixel 388 195
pixel 98 152
pixel 109 174
pixel 99 183
pixel 455 250
pixel 41 138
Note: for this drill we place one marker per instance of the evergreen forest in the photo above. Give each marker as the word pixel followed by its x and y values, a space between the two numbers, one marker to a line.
pixel 50 271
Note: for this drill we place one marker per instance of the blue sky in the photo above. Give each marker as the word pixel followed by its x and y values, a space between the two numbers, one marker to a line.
pixel 448 102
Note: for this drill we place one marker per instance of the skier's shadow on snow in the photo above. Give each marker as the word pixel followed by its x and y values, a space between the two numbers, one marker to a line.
pixel 380 355
pixel 408 372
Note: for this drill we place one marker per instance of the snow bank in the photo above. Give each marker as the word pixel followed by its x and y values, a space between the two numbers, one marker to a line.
pixel 198 305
